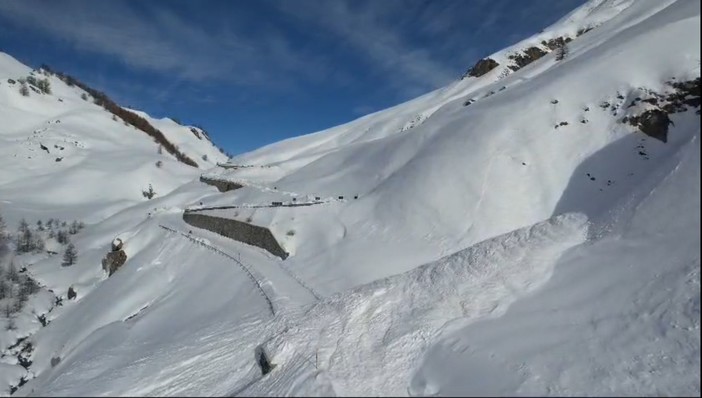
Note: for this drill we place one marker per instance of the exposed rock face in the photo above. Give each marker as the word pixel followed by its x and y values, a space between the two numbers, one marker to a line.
pixel 240 231
pixel 482 67
pixel 192 130
pixel 113 261
pixel 221 185
pixel 582 31
pixel 653 123
pixel 554 44
pixel 687 94
pixel 527 56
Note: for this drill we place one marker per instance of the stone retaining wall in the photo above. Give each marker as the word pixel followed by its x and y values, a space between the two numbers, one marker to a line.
pixel 250 234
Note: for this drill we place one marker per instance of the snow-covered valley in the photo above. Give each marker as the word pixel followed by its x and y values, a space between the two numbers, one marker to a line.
pixel 530 229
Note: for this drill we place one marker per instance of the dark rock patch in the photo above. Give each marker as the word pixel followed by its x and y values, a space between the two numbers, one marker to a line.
pixel 526 57
pixel 482 67
pixel 582 31
pixel 654 123
pixel 196 133
pixel 262 361
pixel 114 261
pixel 117 244
pixel 556 43
pixel 221 185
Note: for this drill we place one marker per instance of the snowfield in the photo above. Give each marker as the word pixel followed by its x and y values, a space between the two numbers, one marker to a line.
pixel 509 234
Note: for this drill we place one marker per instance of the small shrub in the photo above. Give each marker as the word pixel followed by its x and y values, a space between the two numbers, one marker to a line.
pixel 291 232
pixel 561 52
pixel 159 164
pixel 44 85
pixel 24 90
pixel 150 193
pixel 84 96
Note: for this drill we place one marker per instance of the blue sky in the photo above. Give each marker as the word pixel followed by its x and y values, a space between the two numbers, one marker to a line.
pixel 255 72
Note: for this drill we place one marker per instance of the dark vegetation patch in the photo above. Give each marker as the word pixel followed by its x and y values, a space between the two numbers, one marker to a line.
pixel 128 117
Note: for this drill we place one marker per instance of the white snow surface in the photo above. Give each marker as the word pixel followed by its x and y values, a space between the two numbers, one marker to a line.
pixel 480 258
pixel 104 164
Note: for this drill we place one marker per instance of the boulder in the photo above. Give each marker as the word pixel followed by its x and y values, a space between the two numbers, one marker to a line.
pixel 117 244
pixel 114 261
pixel 482 67
pixel 653 123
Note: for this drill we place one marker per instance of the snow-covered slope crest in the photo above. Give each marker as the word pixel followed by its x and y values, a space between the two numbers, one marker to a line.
pixel 70 152
pixel 490 155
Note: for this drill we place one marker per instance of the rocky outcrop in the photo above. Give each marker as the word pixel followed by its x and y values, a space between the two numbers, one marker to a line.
pixel 526 57
pixel 221 185
pixel 653 123
pixel 556 43
pixel 584 30
pixel 250 234
pixel 115 259
pixel 482 67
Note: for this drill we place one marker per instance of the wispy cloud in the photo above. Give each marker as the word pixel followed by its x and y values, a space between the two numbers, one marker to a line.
pixel 377 32
pixel 405 46
pixel 159 40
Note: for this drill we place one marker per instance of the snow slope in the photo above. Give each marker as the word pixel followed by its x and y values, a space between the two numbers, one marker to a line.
pixel 488 252
pixel 467 173
pixel 104 164
pixel 621 316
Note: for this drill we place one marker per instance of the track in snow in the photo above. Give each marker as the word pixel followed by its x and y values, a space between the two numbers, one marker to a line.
pixel 239 263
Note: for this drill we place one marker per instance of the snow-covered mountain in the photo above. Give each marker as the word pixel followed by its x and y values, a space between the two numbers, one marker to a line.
pixel 532 229
pixel 78 157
